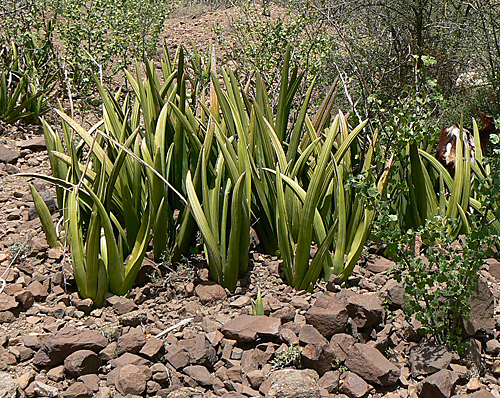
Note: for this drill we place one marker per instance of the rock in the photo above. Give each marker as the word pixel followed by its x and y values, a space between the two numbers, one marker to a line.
pixel 65 342
pixel 152 348
pixel 44 390
pixel 241 302
pixel 255 378
pixel 25 298
pixel 309 335
pixel 78 390
pixel 38 290
pixel 177 356
pixel 318 357
pixel 8 386
pixel 292 383
pixel 23 381
pixel 341 344
pixel 330 381
pixel 132 379
pixel 200 374
pixel 481 309
pixel 200 351
pixel 82 362
pixel 328 318
pixel 49 201
pixel 121 305
pixel 133 319
pixel 495 368
pixel 34 144
pixel 426 359
pixel 7 303
pixel 473 352
pixel 365 309
pixel 184 392
pixel 477 394
pixel 132 341
pixel 378 264
pixel 493 347
pixel 91 381
pixel 210 293
pixel 353 386
pixel 367 362
pixel 439 385
pixel 129 359
pixel 247 328
pixel 6 358
pixel 394 293
pixel 56 374
pixel 8 155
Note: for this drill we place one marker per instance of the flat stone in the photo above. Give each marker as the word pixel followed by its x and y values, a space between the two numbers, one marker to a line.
pixel 152 348
pixel 44 390
pixel 247 328
pixel 394 293
pixel 38 290
pixel 129 359
pixel 330 381
pixel 66 341
pixel 477 394
pixel 310 335
pixel 56 374
pixel 34 144
pixel 368 363
pixel 426 359
pixel 133 319
pixel 121 305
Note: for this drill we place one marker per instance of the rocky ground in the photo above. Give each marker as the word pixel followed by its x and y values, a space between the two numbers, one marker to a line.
pixel 178 335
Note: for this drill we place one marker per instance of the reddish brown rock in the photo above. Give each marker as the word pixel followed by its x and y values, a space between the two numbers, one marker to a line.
pixel 328 317
pixel 132 379
pixel 82 362
pixel 65 342
pixel 210 293
pixel 426 359
pixel 78 390
pixel 152 348
pixel 132 341
pixel 367 362
pixel 353 386
pixel 7 302
pixel 439 385
pixel 247 328
pixel 365 309
pixel 200 374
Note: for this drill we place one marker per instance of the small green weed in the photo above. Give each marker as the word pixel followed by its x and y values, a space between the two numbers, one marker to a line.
pixel 287 357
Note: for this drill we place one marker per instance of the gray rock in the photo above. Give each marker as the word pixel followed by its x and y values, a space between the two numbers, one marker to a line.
pixel 8 386
pixel 493 347
pixel 82 362
pixel 292 383
pixel 426 359
pixel 367 362
pixel 184 392
pixel 133 318
pixel 34 144
pixel 200 374
pixel 353 386
pixel 49 201
pixel 65 342
pixel 121 305
pixel 44 390
pixel 152 348
pixel 438 385
pixel 247 328
pixel 56 374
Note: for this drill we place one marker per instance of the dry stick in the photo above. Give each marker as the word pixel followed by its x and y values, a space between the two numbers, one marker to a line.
pixel 178 324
